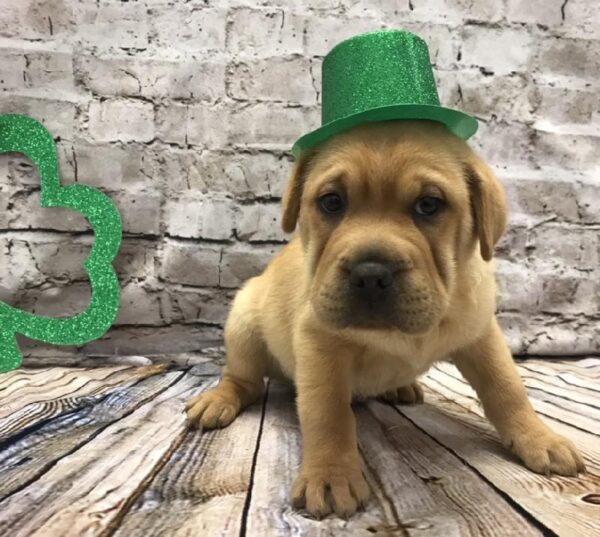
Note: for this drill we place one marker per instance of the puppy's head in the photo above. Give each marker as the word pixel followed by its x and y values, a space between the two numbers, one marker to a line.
pixel 388 214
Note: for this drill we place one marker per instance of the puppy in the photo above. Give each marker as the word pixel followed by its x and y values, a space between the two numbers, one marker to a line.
pixel 391 272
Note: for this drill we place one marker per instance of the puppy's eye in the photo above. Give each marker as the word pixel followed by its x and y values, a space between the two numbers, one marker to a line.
pixel 428 206
pixel 331 203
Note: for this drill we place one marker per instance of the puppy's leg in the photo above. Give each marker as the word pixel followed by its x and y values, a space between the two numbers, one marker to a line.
pixel 242 381
pixel 405 395
pixel 331 476
pixel 488 366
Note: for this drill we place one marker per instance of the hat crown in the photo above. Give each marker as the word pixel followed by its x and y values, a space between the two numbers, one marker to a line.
pixel 376 69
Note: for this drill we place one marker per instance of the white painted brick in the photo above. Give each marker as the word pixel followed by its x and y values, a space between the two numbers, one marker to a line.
pixel 177 27
pixel 49 69
pixel 32 19
pixel 577 248
pixel 542 198
pixel 243 175
pixel 121 120
pixel 588 201
pixel 27 214
pixel 560 340
pixel 139 305
pixel 271 124
pixel 110 167
pixel 263 80
pixel 259 222
pixel 265 32
pixel 182 154
pixel 503 143
pixel 136 259
pixel 207 125
pixel 127 76
pixel 172 123
pixel 135 341
pixel 58 116
pixel 558 59
pixel 54 300
pixel 505 97
pixel 456 11
pixel 12 69
pixel 561 107
pixel 566 151
pixel 196 305
pixel 498 50
pixel 323 33
pixel 582 19
pixel 140 211
pixel 241 262
pixel 203 218
pixel 190 263
pixel 109 26
pixel 545 12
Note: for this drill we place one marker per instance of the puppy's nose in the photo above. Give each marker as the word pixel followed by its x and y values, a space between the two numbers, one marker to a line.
pixel 371 277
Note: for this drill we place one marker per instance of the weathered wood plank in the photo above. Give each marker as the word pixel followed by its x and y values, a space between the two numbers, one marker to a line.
pixel 277 463
pixel 449 381
pixel 432 490
pixel 29 456
pixel 555 502
pixel 86 491
pixel 419 487
pixel 44 395
pixel 456 388
pixel 202 489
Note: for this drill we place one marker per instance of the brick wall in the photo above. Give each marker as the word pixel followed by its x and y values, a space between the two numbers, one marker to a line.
pixel 184 114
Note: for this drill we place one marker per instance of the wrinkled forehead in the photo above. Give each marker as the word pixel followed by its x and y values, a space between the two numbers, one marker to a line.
pixel 389 168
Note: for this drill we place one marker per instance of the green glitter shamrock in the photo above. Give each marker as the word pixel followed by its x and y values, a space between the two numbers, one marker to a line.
pixel 25 135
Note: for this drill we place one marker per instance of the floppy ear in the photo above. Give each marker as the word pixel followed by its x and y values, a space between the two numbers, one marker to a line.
pixel 293 193
pixel 488 204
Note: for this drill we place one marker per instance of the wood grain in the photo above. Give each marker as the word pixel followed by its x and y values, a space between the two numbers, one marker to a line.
pixel 25 459
pixel 473 439
pixel 203 487
pixel 106 451
pixel 38 395
pixel 87 490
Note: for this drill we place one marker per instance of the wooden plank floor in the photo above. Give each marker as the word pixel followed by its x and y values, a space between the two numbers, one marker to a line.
pixel 105 451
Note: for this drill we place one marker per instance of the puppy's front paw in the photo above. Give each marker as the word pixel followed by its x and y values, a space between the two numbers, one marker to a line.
pixel 405 395
pixel 213 409
pixel 325 489
pixel 546 452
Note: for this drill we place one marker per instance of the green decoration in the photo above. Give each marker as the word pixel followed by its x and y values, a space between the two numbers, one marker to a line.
pixel 380 76
pixel 25 135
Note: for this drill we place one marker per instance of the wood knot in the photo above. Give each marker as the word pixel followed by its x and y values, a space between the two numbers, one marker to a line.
pixel 592 498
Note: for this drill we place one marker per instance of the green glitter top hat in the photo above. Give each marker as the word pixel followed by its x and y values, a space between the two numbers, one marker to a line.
pixel 379 76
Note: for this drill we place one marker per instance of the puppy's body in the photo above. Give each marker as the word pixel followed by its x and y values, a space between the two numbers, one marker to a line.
pixel 391 271
pixel 383 360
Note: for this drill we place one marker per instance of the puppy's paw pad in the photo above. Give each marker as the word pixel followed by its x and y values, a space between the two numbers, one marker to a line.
pixel 549 453
pixel 339 490
pixel 405 395
pixel 212 410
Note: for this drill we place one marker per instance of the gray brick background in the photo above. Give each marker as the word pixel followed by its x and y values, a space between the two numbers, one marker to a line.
pixel 184 113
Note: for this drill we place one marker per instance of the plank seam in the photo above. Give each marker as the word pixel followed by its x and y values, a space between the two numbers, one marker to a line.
pixel 246 510
pixel 51 464
pixel 546 531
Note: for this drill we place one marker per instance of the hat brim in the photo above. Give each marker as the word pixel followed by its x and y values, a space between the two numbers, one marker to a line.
pixel 459 123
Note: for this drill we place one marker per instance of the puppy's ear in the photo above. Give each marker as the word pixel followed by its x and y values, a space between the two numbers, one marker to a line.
pixel 293 192
pixel 488 205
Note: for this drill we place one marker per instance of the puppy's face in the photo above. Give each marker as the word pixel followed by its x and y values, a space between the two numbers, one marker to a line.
pixel 388 213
